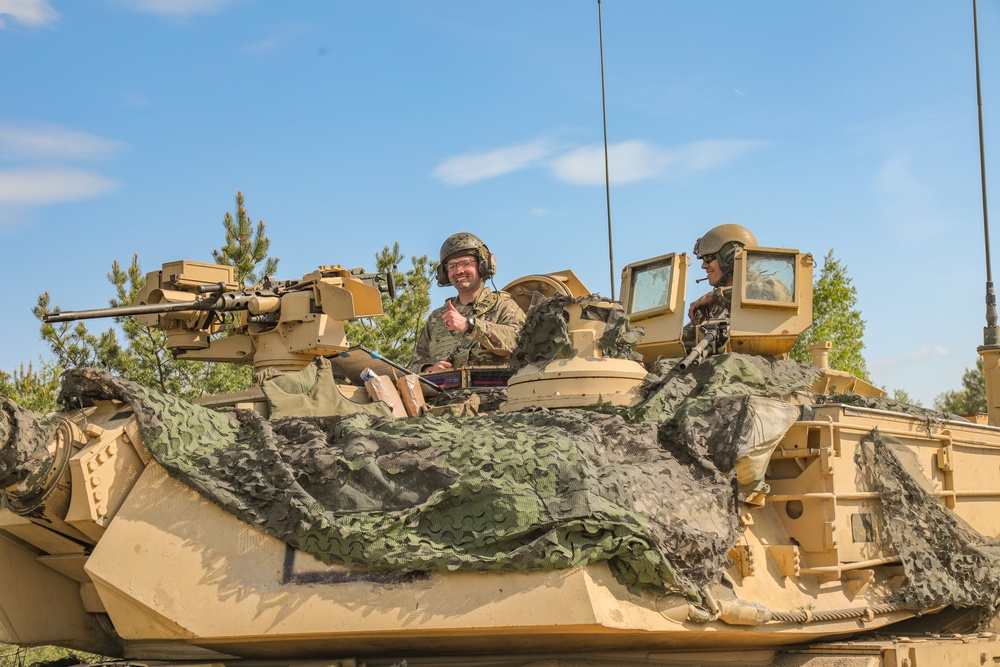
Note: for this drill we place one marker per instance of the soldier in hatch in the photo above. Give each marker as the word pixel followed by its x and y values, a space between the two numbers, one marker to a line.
pixel 477 327
pixel 717 252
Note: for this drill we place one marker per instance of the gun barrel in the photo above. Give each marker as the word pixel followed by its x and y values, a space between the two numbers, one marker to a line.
pixel 697 353
pixel 126 311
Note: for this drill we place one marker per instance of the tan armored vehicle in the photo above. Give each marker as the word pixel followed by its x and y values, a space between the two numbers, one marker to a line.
pixel 632 501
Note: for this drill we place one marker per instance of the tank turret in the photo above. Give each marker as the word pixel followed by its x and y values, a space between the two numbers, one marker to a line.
pixel 641 498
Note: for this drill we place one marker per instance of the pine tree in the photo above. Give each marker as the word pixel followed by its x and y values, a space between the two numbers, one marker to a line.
pixel 245 249
pixel 31 389
pixel 971 398
pixel 394 334
pixel 142 355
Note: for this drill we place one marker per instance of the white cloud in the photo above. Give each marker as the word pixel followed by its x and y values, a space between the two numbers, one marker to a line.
pixel 632 161
pixel 40 172
pixel 21 187
pixel 176 8
pixel 628 161
pixel 472 167
pixel 46 142
pixel 27 12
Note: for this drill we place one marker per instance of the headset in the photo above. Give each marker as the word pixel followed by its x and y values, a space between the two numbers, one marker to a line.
pixel 487 266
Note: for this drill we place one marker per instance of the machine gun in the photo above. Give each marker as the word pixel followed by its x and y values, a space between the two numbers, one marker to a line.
pixel 281 324
pixel 714 336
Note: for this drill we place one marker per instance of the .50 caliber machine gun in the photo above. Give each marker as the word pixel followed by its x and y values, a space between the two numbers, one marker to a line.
pixel 282 324
pixel 714 336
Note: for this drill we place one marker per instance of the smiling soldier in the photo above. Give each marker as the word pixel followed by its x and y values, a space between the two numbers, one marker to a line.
pixel 477 327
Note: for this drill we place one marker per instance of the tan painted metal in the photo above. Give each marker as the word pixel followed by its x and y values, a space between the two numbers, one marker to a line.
pixel 113 555
pixel 307 320
pixel 178 575
pixel 587 378
pixel 991 372
pixel 770 327
pixel 653 293
pixel 833 381
pixel 547 285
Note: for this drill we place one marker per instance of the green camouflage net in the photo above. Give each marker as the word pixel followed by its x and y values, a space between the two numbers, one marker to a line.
pixel 886 403
pixel 546 334
pixel 536 489
pixel 27 437
pixel 946 561
pixel 651 490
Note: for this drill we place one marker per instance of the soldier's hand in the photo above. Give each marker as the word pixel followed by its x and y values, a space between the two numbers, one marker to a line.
pixel 454 320
pixel 699 307
pixel 439 366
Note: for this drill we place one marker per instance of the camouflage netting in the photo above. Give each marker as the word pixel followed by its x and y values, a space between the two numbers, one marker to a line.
pixel 886 403
pixel 546 335
pixel 27 436
pixel 530 490
pixel 946 561
pixel 726 413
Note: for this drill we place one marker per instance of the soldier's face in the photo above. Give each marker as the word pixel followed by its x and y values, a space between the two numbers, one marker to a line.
pixel 463 272
pixel 712 271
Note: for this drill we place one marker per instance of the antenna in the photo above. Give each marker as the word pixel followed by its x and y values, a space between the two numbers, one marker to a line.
pixel 990 335
pixel 607 173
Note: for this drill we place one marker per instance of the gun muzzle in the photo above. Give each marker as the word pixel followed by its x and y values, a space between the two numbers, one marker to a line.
pixel 698 353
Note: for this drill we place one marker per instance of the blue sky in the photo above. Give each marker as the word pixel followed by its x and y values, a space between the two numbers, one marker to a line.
pixel 127 126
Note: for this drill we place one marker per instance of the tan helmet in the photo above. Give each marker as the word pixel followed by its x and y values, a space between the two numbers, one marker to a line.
pixel 722 242
pixel 464 243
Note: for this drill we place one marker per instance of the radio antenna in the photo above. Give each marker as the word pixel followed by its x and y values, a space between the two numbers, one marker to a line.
pixel 990 336
pixel 607 172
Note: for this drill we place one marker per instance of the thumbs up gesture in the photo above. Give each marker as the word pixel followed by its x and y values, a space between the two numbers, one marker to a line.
pixel 454 320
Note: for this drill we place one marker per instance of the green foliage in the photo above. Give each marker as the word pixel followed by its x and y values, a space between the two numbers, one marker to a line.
pixel 394 334
pixel 245 249
pixel 16 656
pixel 73 344
pixel 903 397
pixel 836 319
pixel 142 354
pixel 971 398
pixel 31 389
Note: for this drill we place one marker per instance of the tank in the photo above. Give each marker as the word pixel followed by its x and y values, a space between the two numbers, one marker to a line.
pixel 615 497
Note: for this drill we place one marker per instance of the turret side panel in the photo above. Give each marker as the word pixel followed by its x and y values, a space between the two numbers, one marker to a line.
pixel 40 606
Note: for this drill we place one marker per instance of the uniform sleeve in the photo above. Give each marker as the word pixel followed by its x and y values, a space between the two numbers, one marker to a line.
pixel 722 301
pixel 422 352
pixel 499 333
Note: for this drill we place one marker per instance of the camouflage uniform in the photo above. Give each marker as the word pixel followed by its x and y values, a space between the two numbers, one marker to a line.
pixel 722 301
pixel 498 321
pixel 759 287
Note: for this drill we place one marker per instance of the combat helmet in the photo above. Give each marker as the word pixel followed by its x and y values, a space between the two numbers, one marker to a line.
pixel 464 243
pixel 722 242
